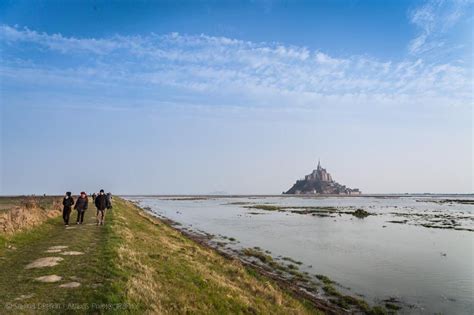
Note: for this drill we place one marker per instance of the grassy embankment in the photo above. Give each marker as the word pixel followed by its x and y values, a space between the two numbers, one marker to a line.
pixel 135 263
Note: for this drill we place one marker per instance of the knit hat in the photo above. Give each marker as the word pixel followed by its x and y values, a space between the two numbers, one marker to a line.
pixel 83 193
pixel 102 190
pixel 68 194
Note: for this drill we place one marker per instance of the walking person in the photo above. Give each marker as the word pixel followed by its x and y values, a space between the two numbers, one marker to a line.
pixel 109 200
pixel 102 203
pixel 68 202
pixel 81 206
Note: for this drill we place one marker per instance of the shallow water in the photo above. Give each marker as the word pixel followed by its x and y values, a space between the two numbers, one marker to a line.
pixel 429 269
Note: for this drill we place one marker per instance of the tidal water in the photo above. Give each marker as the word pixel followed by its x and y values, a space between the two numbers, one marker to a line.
pixel 415 249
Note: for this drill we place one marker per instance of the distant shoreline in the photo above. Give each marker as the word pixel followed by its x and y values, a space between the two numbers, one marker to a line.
pixel 301 195
pixel 273 195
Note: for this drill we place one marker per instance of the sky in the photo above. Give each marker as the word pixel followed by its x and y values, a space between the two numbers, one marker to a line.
pixel 237 97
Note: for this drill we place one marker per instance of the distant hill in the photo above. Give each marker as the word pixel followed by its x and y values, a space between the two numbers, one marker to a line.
pixel 320 182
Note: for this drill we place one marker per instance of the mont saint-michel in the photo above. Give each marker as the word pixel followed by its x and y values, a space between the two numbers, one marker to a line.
pixel 320 182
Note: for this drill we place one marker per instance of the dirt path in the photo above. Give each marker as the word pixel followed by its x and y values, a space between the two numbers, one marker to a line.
pixel 134 264
pixel 55 268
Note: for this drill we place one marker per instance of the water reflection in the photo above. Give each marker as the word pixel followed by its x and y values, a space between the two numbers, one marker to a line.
pixel 416 249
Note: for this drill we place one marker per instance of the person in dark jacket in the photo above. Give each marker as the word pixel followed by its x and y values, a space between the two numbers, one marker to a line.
pixel 81 206
pixel 101 203
pixel 68 202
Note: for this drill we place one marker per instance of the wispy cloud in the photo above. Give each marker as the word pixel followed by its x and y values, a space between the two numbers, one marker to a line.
pixel 433 19
pixel 245 72
pixel 57 41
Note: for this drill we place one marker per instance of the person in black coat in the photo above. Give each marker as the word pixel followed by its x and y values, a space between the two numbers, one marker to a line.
pixel 101 203
pixel 81 206
pixel 109 200
pixel 68 202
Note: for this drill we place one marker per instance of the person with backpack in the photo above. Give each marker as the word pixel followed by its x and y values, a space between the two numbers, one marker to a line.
pixel 68 202
pixel 81 206
pixel 101 203
pixel 109 200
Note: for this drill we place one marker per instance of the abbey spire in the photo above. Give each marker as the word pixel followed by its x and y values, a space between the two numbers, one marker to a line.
pixel 320 182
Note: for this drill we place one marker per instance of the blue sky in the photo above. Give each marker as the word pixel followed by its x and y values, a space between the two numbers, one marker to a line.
pixel 236 96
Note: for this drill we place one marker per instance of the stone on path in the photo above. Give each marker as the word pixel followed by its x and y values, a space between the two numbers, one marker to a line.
pixel 44 262
pixel 70 285
pixel 49 279
pixel 58 247
pixel 53 250
pixel 24 297
pixel 72 253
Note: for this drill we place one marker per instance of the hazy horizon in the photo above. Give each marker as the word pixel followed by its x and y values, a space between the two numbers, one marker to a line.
pixel 243 98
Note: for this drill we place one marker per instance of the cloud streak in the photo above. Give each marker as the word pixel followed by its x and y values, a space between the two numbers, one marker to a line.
pixel 254 73
pixel 433 19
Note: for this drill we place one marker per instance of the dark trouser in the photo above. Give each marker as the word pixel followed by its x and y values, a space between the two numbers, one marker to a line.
pixel 80 216
pixel 66 213
pixel 100 216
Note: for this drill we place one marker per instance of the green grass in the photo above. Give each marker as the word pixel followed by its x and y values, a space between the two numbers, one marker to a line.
pixel 266 207
pixel 392 306
pixel 184 277
pixel 348 301
pixel 137 261
pixel 360 213
pixel 292 260
pixel 257 253
pixel 95 270
pixel 136 264
pixel 324 279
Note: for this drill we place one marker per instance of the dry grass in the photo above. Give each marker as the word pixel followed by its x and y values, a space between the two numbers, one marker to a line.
pixel 23 213
pixel 168 273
